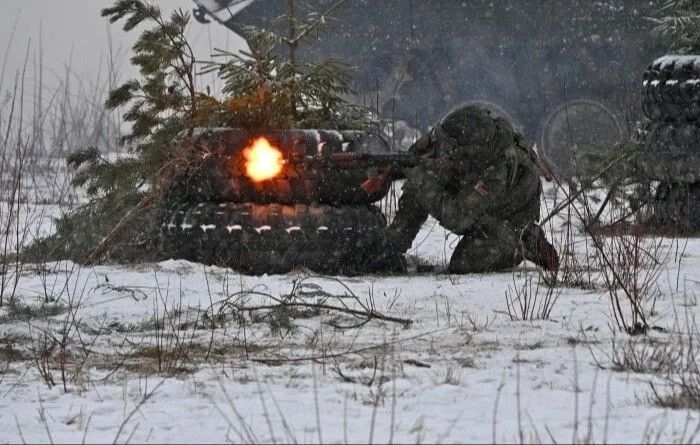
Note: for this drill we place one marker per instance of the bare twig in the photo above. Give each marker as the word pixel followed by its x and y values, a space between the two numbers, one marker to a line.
pixel 138 406
pixel 302 290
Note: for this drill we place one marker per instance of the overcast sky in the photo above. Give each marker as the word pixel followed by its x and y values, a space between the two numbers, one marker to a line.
pixel 72 33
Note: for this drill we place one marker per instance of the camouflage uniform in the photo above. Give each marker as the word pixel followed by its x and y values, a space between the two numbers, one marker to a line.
pixel 481 186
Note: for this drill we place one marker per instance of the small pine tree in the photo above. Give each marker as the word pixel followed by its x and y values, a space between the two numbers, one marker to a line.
pixel 163 106
pixel 160 105
pixel 267 87
pixel 627 188
pixel 680 23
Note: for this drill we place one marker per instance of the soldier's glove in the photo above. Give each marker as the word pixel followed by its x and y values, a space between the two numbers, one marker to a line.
pixel 537 249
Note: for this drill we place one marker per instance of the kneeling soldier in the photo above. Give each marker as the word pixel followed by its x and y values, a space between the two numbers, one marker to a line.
pixel 477 181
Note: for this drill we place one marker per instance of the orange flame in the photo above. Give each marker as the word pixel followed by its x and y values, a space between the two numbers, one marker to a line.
pixel 263 161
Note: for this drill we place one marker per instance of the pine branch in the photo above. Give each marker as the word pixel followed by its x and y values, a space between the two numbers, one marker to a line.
pixel 681 24
pixel 162 178
pixel 293 41
pixel 160 52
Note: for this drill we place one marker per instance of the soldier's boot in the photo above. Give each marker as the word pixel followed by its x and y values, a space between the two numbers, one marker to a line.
pixel 488 249
pixel 537 249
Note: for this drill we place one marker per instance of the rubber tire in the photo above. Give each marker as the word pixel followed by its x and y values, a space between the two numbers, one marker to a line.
pixel 678 67
pixel 257 239
pixel 671 89
pixel 676 205
pixel 670 150
pixel 670 137
pixel 220 175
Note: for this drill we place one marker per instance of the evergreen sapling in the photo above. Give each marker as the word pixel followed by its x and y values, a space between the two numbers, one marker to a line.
pixel 128 197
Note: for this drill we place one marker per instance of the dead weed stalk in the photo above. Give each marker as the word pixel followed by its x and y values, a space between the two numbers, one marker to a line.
pixel 175 333
pixel 680 383
pixel 528 301
pixel 631 265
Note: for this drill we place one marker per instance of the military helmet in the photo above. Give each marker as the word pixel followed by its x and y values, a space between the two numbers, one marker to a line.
pixel 474 133
pixel 469 125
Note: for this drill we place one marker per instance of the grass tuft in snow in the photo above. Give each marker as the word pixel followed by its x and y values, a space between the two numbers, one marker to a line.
pixel 17 310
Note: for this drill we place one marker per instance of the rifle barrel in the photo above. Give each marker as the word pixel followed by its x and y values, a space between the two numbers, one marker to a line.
pixel 359 160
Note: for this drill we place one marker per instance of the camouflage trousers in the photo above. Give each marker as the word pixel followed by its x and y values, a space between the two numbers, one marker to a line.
pixel 491 246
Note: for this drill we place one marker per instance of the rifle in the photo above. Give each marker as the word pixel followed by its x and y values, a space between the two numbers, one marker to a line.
pixel 397 162
pixel 392 165
pixel 358 160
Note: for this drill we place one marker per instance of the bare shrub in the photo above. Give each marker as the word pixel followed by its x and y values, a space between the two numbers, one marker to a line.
pixel 581 194
pixel 625 256
pixel 448 373
pixel 56 343
pixel 683 392
pixel 531 301
pixel 13 157
pixel 170 348
pixel 671 361
pixel 39 125
pixel 35 136
pixel 73 352
pixel 646 355
pixel 575 267
pixel 42 349
pixel 631 264
pixel 680 383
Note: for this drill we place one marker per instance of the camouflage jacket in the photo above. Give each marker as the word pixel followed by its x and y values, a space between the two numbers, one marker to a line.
pixel 498 180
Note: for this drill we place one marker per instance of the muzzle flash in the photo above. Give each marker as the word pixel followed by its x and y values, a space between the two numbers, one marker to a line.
pixel 262 160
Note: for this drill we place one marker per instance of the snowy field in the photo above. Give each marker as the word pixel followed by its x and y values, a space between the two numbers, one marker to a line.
pixel 180 352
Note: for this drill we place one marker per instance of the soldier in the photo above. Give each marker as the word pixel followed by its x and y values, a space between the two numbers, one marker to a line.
pixel 476 181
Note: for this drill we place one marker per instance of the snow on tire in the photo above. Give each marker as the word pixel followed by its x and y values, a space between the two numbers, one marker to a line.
pixel 671 89
pixel 275 238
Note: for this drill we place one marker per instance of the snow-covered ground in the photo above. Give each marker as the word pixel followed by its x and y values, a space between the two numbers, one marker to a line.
pixel 167 353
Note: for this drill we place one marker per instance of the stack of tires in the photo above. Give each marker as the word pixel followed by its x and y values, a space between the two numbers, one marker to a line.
pixel 671 139
pixel 312 216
